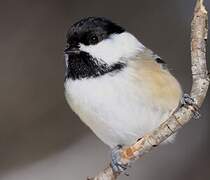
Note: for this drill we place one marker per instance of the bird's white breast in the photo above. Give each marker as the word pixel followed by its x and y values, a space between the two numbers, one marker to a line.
pixel 118 110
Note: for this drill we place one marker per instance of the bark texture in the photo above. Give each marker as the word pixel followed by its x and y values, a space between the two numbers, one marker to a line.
pixel 200 76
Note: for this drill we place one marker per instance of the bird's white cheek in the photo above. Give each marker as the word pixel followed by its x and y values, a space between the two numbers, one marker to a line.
pixel 114 49
pixel 102 51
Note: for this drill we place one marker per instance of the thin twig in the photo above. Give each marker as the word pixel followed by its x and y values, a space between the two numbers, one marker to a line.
pixel 199 32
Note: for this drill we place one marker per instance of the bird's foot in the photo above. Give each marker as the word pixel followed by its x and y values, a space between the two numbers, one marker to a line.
pixel 187 100
pixel 117 165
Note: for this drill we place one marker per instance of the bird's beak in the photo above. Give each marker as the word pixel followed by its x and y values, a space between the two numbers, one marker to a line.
pixel 72 50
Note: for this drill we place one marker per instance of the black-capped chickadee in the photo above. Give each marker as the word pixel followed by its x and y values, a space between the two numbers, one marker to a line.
pixel 119 88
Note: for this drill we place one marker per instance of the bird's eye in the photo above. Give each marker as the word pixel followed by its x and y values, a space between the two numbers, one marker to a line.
pixel 67 46
pixel 93 39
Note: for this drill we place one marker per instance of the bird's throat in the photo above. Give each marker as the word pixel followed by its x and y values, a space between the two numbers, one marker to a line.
pixel 82 65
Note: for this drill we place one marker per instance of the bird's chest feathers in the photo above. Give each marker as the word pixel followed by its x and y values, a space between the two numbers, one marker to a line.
pixel 130 102
pixel 112 107
pixel 101 98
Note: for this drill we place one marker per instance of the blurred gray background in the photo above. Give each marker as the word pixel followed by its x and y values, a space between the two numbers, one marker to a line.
pixel 40 137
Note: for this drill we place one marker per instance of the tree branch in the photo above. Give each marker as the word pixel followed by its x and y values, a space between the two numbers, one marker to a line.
pixel 200 76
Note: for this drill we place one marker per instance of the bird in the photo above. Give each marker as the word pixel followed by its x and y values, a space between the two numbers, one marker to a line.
pixel 117 86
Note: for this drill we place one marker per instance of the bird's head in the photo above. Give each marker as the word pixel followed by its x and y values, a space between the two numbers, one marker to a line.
pixel 96 46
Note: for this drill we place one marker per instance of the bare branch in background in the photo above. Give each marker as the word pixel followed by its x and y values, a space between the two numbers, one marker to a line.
pixel 200 76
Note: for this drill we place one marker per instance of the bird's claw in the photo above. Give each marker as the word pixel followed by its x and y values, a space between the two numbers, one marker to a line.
pixel 187 100
pixel 116 162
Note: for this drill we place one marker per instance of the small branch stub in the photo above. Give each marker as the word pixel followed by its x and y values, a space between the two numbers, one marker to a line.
pixel 200 76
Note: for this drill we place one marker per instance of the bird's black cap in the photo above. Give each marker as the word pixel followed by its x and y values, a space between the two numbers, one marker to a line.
pixel 92 30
